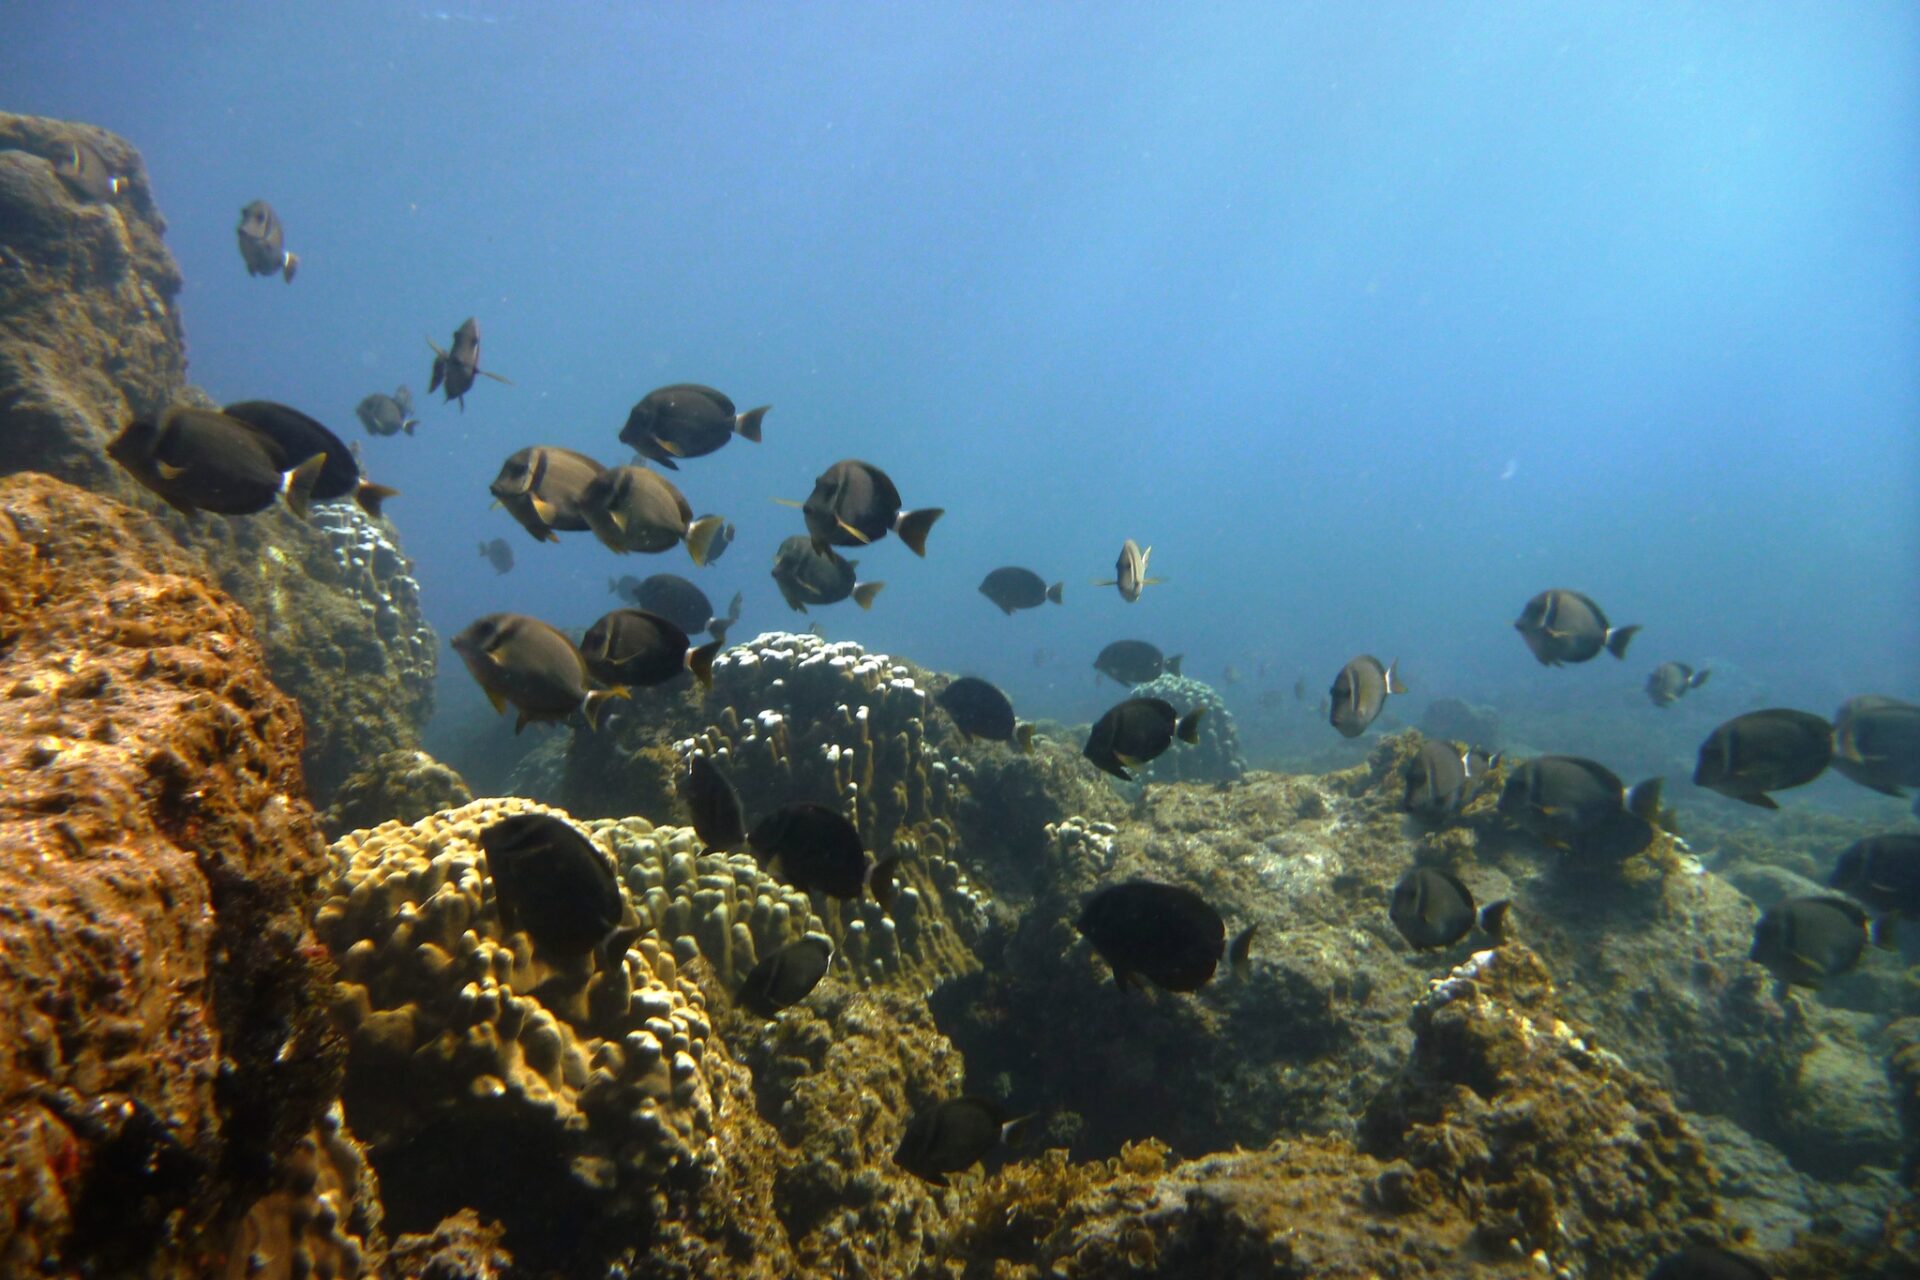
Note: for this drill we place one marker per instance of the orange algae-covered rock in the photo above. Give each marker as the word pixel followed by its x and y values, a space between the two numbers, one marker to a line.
pixel 160 1033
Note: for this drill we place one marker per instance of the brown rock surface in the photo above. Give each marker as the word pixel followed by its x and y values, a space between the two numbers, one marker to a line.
pixel 160 1035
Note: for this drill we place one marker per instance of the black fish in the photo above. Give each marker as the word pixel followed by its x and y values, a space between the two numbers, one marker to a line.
pixel 1135 662
pixel 677 600
pixel 1671 680
pixel 202 460
pixel 687 420
pixel 785 977
pixel 263 243
pixel 808 577
pixel 634 509
pixel 1883 872
pixel 854 503
pixel 1431 908
pixel 1579 804
pixel 302 438
pixel 524 661
pixel 458 368
pixel 498 554
pixel 714 804
pixel 544 487
pixel 1805 941
pixel 1360 691
pixel 953 1136
pixel 637 649
pixel 1764 751
pixel 86 173
pixel 980 710
pixel 1130 572
pixel 1136 731
pixel 387 415
pixel 1438 777
pixel 1707 1262
pixel 1876 743
pixel 1158 931
pixel 820 850
pixel 1013 588
pixel 1564 626
pixel 551 880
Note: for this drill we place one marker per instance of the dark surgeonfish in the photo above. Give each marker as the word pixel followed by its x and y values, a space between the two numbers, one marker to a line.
pixel 786 976
pixel 1883 872
pixel 808 577
pixel 1431 908
pixel 854 503
pixel 1162 932
pixel 1707 1262
pixel 459 368
pixel 953 1136
pixel 1442 776
pixel 722 538
pixel 544 487
pixel 551 880
pixel 1137 731
pixel 1014 588
pixel 1580 805
pixel 714 804
pixel 498 554
pixel 85 172
pixel 387 415
pixel 1360 691
pixel 677 600
pixel 686 420
pixel 1876 743
pixel 203 460
pixel 302 438
pixel 634 509
pixel 1565 626
pixel 524 661
pixel 980 710
pixel 263 243
pixel 1764 751
pixel 1135 662
pixel 1670 682
pixel 818 849
pixel 637 649
pixel 1806 941
pixel 1130 572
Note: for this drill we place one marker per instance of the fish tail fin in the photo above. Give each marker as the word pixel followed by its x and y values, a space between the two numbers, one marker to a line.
pixel 1014 1133
pixel 1884 932
pixel 718 628
pixel 594 705
pixel 1619 638
pixel 1189 727
pixel 913 526
pixel 700 536
pixel 884 882
pixel 1493 919
pixel 1643 800
pixel 289 263
pixel 747 425
pixel 1173 663
pixel 1394 683
pixel 1699 677
pixel 864 592
pixel 1023 738
pixel 733 607
pixel 407 425
pixel 1240 954
pixel 369 497
pixel 299 483
pixel 612 951
pixel 1054 592
pixel 700 661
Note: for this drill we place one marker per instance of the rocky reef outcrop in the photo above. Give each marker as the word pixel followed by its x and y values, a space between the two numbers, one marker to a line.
pixel 90 337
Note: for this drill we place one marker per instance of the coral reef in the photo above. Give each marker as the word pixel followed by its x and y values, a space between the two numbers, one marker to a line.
pixel 160 1036
pixel 321 1218
pixel 1216 757
pixel 90 337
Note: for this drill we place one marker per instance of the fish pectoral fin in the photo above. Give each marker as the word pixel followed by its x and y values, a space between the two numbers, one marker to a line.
pixel 485 373
pixel 1806 962
pixel 853 532
pixel 168 471
pixel 617 518
pixel 669 446
pixel 543 509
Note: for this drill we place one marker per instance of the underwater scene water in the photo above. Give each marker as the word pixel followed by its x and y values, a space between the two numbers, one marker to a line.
pixel 960 640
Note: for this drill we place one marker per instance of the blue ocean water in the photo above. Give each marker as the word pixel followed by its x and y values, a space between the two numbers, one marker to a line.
pixel 1372 323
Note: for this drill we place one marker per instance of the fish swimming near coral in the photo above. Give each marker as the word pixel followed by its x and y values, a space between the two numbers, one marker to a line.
pixel 1135 662
pixel 807 577
pixel 1762 751
pixel 1807 941
pixel 1130 572
pixel 1165 933
pixel 552 881
pixel 1137 731
pixel 1441 776
pixel 1670 682
pixel 713 804
pixel 387 415
pixel 785 976
pixel 953 1136
pixel 1012 588
pixel 634 509
pixel 498 554
pixel 263 243
pixel 638 650
pixel 1708 1262
pixel 686 420
pixel 1883 872
pixel 1431 908
pixel 202 460
pixel 1563 626
pixel 526 662
pixel 458 368
pixel 980 710
pixel 1360 692
pixel 302 438
pixel 85 172
pixel 677 600
pixel 1876 743
pixel 818 849
pixel 855 503
pixel 545 487
pixel 1580 805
